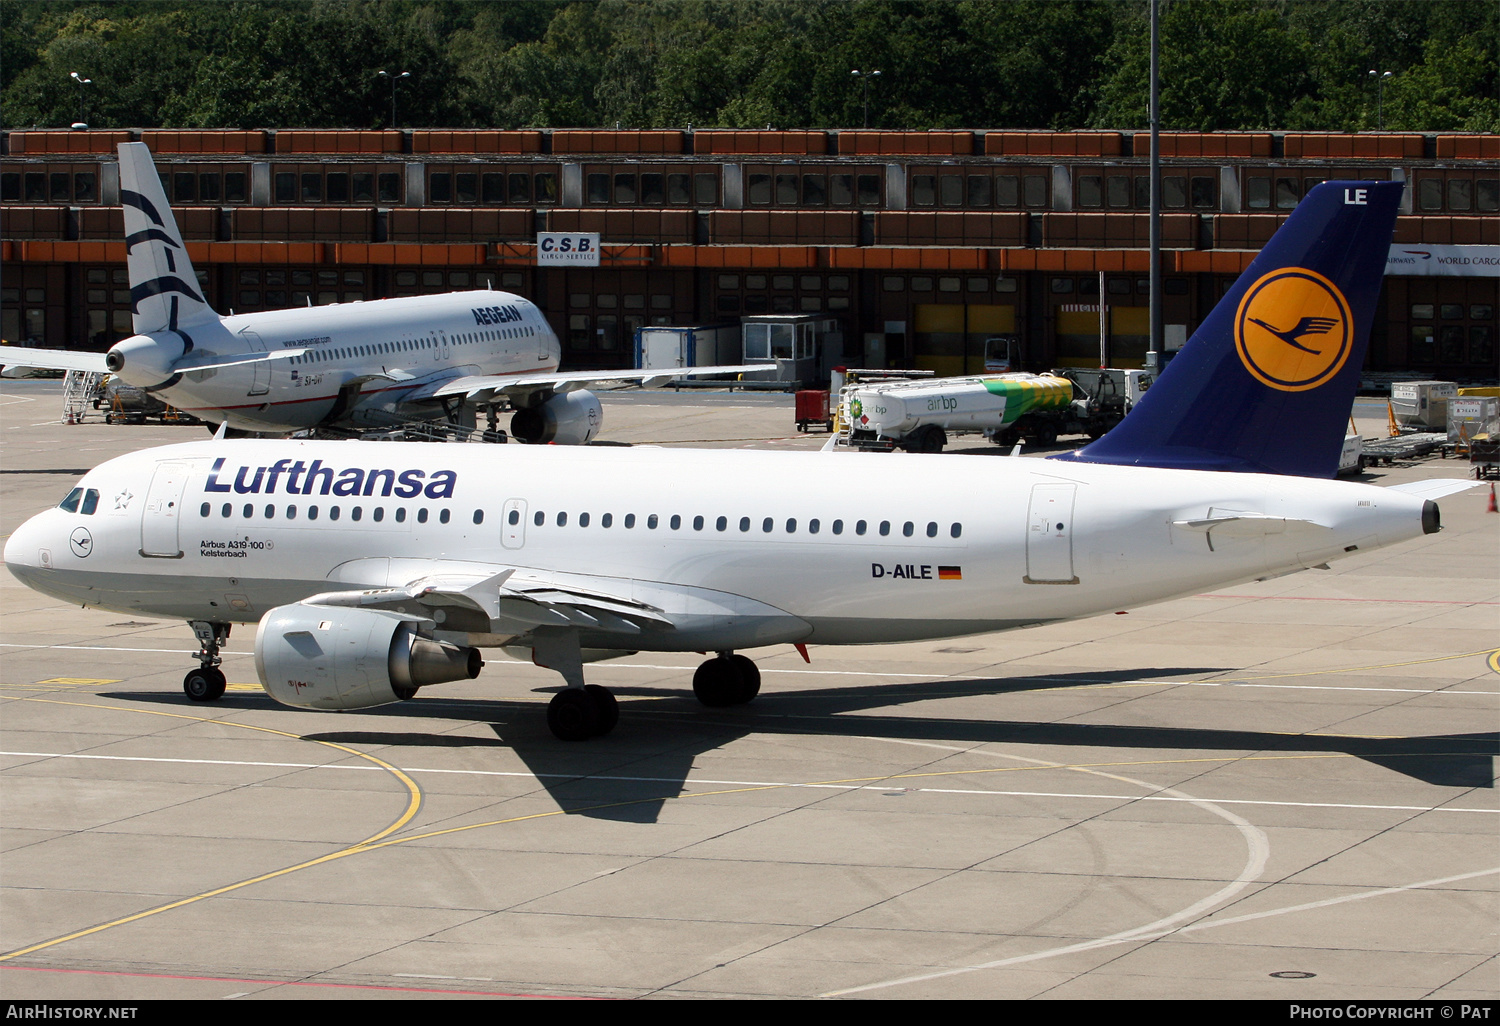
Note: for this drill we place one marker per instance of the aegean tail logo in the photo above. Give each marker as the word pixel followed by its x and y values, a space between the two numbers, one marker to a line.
pixel 1293 330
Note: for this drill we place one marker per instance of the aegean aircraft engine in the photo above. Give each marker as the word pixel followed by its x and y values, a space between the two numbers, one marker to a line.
pixel 328 657
pixel 571 418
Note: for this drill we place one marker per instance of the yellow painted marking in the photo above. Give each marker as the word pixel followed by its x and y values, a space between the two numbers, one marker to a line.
pixel 77 682
pixel 382 839
pixel 414 803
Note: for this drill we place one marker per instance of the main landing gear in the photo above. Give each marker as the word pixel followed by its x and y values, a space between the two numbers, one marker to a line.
pixel 206 684
pixel 579 713
pixel 727 679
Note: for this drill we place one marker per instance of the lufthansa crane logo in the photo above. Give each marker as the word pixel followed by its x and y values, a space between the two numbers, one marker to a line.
pixel 1293 329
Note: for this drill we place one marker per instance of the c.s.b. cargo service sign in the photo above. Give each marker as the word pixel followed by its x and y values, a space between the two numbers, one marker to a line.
pixel 567 249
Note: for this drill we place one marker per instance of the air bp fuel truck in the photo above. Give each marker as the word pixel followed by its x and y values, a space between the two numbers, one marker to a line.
pixel 920 415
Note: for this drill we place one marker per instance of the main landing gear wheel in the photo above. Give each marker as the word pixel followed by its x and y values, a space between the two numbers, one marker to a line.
pixel 578 714
pixel 204 685
pixel 726 680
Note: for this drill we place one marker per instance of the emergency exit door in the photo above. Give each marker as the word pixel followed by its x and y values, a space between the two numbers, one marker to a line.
pixel 162 512
pixel 260 373
pixel 1049 534
pixel 513 524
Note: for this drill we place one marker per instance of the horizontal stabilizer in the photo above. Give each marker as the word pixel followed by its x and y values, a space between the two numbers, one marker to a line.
pixel 1233 524
pixel 197 361
pixel 1435 489
pixel 52 359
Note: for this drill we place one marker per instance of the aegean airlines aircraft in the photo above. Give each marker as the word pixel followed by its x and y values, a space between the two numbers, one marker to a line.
pixel 376 569
pixel 370 364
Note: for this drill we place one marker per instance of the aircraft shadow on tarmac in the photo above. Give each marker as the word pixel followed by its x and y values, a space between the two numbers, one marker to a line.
pixel 645 762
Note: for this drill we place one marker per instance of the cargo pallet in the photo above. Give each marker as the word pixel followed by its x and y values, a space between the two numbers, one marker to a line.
pixel 1382 451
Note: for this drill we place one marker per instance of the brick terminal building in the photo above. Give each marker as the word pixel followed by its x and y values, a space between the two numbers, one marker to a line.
pixel 920 244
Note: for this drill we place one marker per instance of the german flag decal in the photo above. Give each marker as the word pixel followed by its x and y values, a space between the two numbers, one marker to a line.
pixel 950 573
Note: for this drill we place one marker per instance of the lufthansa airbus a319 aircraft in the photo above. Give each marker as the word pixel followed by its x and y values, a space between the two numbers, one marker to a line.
pixel 376 569
pixel 351 365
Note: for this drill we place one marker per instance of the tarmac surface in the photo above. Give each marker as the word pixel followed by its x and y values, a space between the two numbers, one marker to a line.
pixel 1281 790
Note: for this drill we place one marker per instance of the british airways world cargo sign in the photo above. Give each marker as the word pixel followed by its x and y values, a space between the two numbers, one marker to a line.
pixel 1458 261
pixel 567 249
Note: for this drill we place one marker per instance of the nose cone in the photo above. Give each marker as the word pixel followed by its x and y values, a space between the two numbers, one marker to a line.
pixel 144 360
pixel 26 553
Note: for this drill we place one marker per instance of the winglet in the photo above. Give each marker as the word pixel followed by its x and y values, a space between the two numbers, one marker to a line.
pixel 1266 382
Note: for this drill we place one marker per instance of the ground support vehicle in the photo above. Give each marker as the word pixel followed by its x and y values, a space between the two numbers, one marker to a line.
pixel 919 416
pixel 812 409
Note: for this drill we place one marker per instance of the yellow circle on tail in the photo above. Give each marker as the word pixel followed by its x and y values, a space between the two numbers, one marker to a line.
pixel 1293 329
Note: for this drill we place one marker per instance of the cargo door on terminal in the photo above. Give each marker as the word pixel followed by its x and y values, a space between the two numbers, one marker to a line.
pixel 1049 534
pixel 162 512
pixel 949 337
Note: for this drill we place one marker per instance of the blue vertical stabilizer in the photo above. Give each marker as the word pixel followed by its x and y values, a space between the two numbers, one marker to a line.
pixel 1266 383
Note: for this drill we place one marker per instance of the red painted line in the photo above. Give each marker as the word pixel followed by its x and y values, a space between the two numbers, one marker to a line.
pixel 1394 602
pixel 288 983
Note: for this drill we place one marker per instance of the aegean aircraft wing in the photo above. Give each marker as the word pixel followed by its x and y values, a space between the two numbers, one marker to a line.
pixel 475 386
pixel 51 359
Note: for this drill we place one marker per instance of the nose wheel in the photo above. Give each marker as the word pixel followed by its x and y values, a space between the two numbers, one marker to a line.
pixel 206 683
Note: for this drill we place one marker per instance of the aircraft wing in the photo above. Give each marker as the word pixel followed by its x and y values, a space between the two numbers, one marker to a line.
pixel 513 385
pixel 527 604
pixel 510 602
pixel 52 359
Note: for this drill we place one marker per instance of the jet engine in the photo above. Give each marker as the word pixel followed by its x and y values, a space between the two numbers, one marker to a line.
pixel 330 657
pixel 145 360
pixel 569 418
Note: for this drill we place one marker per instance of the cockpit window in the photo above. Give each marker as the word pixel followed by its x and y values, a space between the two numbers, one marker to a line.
pixel 87 499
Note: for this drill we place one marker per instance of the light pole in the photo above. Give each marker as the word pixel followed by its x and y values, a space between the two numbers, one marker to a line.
pixel 1380 93
pixel 81 83
pixel 865 77
pixel 394 79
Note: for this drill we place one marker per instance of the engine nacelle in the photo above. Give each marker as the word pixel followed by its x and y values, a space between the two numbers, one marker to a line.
pixel 328 657
pixel 145 360
pixel 570 418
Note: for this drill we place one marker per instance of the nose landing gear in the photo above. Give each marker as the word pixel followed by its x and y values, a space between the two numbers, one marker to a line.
pixel 206 684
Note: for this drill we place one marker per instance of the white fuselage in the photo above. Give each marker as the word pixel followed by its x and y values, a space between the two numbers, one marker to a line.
pixel 928 546
pixel 360 361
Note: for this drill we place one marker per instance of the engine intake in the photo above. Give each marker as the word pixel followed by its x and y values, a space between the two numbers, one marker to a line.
pixel 326 657
pixel 572 418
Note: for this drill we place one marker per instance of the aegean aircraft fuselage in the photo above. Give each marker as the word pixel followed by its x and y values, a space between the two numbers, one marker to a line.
pixel 358 363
